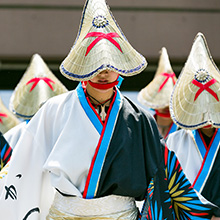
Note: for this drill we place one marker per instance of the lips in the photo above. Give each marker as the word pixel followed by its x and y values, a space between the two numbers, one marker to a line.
pixel 103 81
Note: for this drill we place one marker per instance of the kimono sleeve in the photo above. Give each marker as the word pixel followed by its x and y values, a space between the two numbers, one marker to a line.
pixel 171 196
pixel 25 189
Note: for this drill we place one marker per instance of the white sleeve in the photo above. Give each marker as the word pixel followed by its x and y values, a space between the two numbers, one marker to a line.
pixel 26 190
pixel 12 136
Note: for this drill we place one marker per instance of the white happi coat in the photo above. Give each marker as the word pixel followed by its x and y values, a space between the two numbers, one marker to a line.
pixel 12 136
pixel 44 159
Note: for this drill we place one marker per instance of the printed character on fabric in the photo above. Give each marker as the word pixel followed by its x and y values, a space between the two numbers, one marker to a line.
pixel 171 196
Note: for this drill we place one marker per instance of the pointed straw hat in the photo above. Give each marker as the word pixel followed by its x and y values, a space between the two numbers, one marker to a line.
pixel 7 119
pixel 157 93
pixel 100 45
pixel 195 98
pixel 37 85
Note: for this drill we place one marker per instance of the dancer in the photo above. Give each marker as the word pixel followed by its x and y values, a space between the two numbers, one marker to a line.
pixel 37 85
pixel 195 107
pixel 91 152
pixel 156 95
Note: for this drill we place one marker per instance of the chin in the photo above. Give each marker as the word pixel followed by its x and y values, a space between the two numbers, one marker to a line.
pixel 103 90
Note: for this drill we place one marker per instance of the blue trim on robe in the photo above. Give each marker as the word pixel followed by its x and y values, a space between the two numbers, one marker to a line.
pixel 199 142
pixel 88 110
pixel 103 149
pixel 3 151
pixel 105 135
pixel 120 80
pixel 209 160
pixel 173 128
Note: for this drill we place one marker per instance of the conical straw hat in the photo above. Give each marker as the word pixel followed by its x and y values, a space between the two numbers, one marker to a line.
pixel 37 85
pixel 100 45
pixel 7 119
pixel 195 98
pixel 157 93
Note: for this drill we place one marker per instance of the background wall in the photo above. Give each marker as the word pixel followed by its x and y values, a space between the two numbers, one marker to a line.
pixel 50 28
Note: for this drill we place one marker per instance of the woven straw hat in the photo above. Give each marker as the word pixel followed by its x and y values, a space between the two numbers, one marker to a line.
pixel 7 119
pixel 195 98
pixel 157 93
pixel 37 85
pixel 100 45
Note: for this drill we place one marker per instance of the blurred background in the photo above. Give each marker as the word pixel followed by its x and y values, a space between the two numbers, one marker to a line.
pixel 49 28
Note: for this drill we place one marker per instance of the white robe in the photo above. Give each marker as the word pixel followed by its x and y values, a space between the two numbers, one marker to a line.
pixel 12 136
pixel 45 151
pixel 182 143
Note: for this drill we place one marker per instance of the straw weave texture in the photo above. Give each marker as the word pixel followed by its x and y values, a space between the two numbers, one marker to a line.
pixel 190 109
pixel 104 54
pixel 151 96
pixel 25 102
pixel 6 123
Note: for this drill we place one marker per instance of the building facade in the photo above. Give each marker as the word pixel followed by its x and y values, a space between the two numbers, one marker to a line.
pixel 49 28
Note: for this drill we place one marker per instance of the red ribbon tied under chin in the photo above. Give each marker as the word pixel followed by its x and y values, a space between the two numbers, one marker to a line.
pixel 36 80
pixel 3 115
pixel 101 36
pixel 167 75
pixel 205 87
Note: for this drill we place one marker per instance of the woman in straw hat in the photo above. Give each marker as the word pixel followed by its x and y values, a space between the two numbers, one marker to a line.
pixel 37 85
pixel 156 95
pixel 90 153
pixel 195 107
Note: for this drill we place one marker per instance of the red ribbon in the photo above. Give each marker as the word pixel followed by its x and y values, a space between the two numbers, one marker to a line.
pixel 167 75
pixel 2 115
pixel 36 81
pixel 207 126
pixel 103 86
pixel 205 87
pixel 164 115
pixel 101 36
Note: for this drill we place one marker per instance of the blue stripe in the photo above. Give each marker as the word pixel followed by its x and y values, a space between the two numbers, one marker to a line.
pixel 155 212
pixel 180 176
pixel 3 151
pixel 173 128
pixel 207 166
pixel 168 164
pixel 88 110
pixel 199 142
pixel 97 169
pixel 23 116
